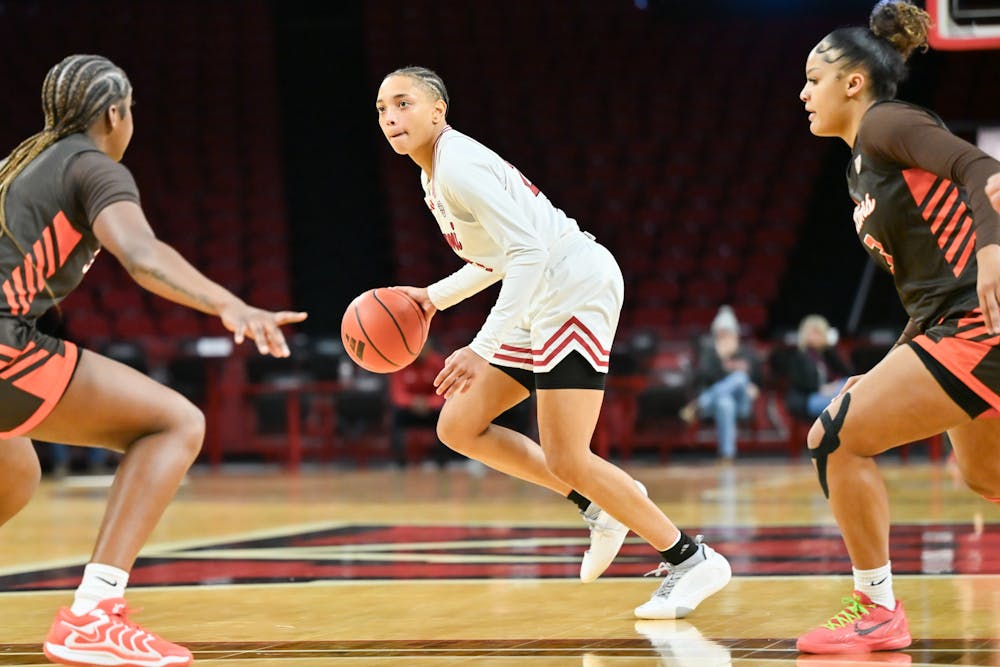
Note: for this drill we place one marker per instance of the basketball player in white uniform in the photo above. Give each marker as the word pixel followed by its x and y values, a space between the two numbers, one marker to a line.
pixel 550 331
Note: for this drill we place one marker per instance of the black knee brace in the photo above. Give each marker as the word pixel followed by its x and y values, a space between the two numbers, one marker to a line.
pixel 831 440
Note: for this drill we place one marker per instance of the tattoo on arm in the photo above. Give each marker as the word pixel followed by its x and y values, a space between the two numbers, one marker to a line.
pixel 161 277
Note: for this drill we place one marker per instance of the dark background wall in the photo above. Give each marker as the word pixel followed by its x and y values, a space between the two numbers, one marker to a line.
pixel 321 64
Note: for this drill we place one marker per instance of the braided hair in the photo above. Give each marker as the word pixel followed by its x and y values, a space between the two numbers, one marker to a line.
pixel 429 79
pixel 75 93
pixel 896 28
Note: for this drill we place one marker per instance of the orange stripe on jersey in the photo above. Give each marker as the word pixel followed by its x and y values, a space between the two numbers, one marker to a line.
pixel 919 182
pixel 962 231
pixel 964 259
pixel 935 198
pixel 19 290
pixel 943 215
pixel 8 293
pixel 50 258
pixel 39 253
pixel 951 226
pixel 29 278
pixel 66 236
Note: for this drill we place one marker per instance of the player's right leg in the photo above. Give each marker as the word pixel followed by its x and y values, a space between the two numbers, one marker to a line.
pixel 160 432
pixel 466 425
pixel 874 415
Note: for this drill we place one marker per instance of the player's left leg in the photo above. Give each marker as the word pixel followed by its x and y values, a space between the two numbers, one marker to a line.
pixel 976 446
pixel 897 402
pixel 566 421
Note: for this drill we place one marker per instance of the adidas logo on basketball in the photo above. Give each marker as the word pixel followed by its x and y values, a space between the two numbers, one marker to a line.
pixel 357 347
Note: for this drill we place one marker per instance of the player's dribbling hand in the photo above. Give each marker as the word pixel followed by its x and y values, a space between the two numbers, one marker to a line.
pixel 261 326
pixel 419 294
pixel 460 369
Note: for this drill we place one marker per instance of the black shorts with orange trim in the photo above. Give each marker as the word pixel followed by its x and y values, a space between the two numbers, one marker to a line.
pixel 964 358
pixel 35 370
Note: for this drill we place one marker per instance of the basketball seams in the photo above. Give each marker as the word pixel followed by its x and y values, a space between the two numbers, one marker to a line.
pixel 424 327
pixel 392 316
pixel 371 344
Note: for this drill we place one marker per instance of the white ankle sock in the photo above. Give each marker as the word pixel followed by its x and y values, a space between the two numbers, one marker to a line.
pixel 876 584
pixel 100 582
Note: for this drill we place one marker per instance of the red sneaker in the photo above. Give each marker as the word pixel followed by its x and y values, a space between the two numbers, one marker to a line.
pixel 853 660
pixel 104 636
pixel 860 627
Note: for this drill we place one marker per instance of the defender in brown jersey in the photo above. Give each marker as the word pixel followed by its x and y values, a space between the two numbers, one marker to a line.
pixel 63 197
pixel 924 214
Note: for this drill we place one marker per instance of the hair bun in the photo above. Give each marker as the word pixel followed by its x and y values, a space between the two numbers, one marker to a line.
pixel 902 24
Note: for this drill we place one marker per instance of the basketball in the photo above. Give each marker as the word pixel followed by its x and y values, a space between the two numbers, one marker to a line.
pixel 383 330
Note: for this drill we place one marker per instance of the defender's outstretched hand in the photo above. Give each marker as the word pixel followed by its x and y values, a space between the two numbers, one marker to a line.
pixel 261 326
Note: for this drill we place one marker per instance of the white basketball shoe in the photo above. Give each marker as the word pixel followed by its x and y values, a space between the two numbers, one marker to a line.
pixel 607 534
pixel 687 585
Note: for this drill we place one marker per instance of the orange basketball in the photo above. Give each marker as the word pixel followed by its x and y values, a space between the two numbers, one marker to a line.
pixel 383 330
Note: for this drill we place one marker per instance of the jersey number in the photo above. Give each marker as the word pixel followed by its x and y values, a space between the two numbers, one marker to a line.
pixel 875 245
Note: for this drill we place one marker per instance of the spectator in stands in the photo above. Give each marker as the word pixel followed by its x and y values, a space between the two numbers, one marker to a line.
pixel 924 213
pixel 63 196
pixel 414 401
pixel 727 376
pixel 816 370
pixel 550 332
pixel 99 461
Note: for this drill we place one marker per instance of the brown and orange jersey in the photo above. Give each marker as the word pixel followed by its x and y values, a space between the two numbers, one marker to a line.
pixel 920 207
pixel 50 209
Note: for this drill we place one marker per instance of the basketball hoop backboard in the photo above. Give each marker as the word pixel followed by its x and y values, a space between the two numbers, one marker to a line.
pixel 964 25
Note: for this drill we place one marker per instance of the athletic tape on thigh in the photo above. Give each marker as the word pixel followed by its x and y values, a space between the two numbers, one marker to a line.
pixel 831 440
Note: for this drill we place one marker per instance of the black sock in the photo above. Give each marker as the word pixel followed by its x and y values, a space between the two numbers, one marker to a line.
pixel 680 552
pixel 580 501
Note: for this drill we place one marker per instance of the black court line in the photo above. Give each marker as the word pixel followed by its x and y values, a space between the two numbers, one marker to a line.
pixel 922 652
pixel 379 552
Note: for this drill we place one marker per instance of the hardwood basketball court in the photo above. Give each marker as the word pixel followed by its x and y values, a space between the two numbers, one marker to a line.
pixel 259 567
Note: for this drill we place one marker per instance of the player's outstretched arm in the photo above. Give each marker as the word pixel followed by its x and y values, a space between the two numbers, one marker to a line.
pixel 122 228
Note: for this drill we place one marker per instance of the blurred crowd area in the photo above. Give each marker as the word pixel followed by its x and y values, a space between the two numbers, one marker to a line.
pixel 671 131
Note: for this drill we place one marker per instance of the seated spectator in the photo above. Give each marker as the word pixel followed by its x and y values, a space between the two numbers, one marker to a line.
pixel 816 370
pixel 99 461
pixel 728 376
pixel 414 403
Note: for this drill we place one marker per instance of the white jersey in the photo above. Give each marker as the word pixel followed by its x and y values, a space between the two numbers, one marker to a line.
pixel 500 224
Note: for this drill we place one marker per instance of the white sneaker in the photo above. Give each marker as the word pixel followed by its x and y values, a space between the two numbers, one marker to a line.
pixel 685 586
pixel 607 534
pixel 680 644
